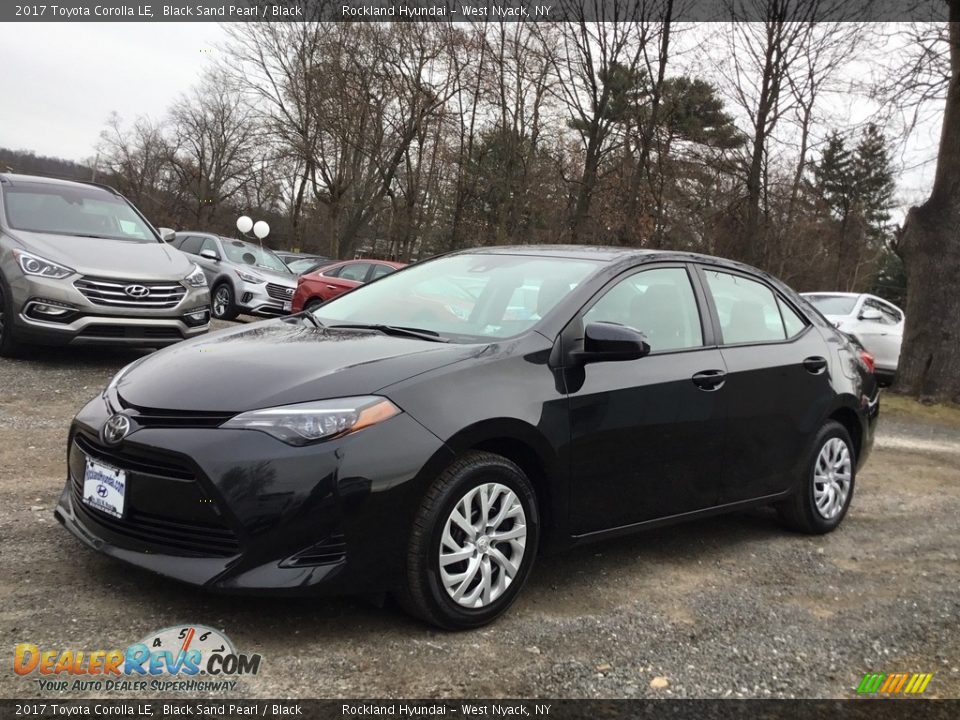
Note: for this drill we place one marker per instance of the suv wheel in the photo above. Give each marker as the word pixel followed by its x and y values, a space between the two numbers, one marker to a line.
pixel 473 543
pixel 8 343
pixel 823 497
pixel 222 303
pixel 313 304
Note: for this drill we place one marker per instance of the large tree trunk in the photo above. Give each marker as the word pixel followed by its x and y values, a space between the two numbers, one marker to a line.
pixel 930 248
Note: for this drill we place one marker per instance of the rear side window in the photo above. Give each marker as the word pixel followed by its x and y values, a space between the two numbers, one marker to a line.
pixel 748 310
pixel 792 322
pixel 380 271
pixel 659 303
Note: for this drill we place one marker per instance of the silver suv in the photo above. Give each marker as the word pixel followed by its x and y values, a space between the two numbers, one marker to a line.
pixel 80 265
pixel 243 277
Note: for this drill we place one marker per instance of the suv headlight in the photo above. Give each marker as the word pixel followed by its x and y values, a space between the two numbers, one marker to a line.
pixel 248 277
pixel 35 265
pixel 196 278
pixel 309 422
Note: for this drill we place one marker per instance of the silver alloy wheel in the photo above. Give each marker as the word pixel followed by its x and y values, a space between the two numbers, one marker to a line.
pixel 482 547
pixel 832 476
pixel 221 301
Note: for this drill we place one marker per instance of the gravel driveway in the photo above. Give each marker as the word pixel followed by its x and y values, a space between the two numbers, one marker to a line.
pixel 729 607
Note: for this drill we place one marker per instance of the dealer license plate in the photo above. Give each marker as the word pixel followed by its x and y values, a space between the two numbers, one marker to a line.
pixel 104 488
pixel 287 306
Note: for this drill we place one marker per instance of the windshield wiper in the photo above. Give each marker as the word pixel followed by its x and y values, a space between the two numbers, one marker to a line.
pixel 309 316
pixel 397 330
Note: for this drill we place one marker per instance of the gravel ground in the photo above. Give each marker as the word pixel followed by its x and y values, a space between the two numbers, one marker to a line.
pixel 729 607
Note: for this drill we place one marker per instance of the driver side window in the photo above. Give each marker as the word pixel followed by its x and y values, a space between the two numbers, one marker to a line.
pixel 659 303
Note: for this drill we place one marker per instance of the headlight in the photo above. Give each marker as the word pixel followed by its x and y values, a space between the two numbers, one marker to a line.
pixel 196 278
pixel 305 423
pixel 35 265
pixel 248 277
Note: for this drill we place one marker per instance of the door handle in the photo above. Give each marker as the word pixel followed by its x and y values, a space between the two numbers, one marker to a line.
pixel 815 364
pixel 332 287
pixel 710 380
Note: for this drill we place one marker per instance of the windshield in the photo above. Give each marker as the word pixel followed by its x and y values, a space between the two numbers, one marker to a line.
pixel 249 254
pixel 833 304
pixel 466 297
pixel 74 210
pixel 305 265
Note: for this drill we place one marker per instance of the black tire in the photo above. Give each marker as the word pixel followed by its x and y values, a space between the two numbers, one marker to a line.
pixel 799 512
pixel 313 304
pixel 9 345
pixel 422 593
pixel 228 311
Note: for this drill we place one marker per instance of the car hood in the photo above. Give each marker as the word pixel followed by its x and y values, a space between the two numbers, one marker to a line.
pixel 277 362
pixel 101 257
pixel 272 276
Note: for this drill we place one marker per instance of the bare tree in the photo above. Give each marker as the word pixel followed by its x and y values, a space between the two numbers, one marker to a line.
pixel 930 246
pixel 213 138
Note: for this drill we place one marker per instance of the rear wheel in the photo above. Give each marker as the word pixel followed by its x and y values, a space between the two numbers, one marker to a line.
pixel 823 498
pixel 222 304
pixel 8 343
pixel 473 543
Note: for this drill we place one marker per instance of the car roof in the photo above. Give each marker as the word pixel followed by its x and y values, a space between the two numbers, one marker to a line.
pixel 19 179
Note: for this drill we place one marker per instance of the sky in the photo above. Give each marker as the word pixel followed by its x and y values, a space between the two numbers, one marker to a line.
pixel 61 81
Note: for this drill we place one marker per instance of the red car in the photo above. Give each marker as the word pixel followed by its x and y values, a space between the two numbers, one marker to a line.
pixel 332 280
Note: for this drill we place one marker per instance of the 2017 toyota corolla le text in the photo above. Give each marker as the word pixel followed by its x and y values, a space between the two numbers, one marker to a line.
pixel 429 433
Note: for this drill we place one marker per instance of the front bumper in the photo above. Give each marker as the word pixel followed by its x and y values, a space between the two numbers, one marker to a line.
pixel 87 323
pixel 239 511
pixel 263 299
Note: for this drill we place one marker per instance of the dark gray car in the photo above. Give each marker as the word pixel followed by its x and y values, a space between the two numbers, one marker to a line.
pixel 79 265
pixel 243 277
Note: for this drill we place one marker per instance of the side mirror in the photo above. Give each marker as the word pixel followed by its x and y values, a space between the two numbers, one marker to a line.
pixel 870 314
pixel 210 255
pixel 610 342
pixel 167 235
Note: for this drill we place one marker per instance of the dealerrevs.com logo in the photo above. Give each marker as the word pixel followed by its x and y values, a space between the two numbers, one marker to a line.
pixel 187 658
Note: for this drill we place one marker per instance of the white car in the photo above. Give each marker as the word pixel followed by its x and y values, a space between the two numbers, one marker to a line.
pixel 876 323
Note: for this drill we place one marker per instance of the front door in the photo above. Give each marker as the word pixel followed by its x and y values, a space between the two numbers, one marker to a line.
pixel 646 435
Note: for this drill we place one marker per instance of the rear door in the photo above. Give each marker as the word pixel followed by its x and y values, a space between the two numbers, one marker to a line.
pixel 777 384
pixel 646 435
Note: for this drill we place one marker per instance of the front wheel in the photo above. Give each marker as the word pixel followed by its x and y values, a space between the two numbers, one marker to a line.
pixel 473 543
pixel 823 497
pixel 223 307
pixel 313 304
pixel 8 343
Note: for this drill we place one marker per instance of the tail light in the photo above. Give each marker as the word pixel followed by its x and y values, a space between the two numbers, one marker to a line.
pixel 868 360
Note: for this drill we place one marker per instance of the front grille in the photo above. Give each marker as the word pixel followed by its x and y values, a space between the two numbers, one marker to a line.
pixel 279 292
pixel 330 551
pixel 166 509
pixel 160 418
pixel 138 463
pixel 131 293
pixel 131 332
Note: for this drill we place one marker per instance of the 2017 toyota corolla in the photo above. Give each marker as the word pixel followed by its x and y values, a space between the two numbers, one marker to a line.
pixel 390 440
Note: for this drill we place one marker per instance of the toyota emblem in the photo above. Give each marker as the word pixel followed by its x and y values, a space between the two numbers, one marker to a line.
pixel 137 291
pixel 116 429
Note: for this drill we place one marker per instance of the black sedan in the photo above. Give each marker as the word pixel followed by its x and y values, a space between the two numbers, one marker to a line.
pixel 429 433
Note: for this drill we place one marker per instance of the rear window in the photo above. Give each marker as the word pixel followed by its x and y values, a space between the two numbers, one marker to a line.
pixel 833 304
pixel 74 211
